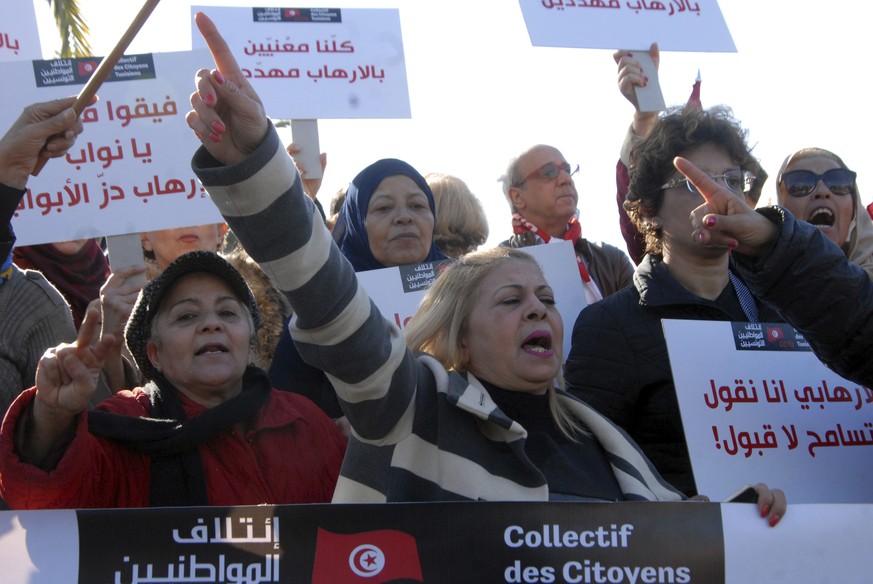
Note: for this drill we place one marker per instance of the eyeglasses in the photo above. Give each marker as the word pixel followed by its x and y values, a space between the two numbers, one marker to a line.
pixel 801 183
pixel 549 171
pixel 738 181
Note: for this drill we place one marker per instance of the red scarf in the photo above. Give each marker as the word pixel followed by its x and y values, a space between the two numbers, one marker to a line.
pixel 78 276
pixel 573 233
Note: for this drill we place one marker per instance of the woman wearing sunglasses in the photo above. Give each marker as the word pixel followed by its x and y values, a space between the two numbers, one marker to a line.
pixel 817 187
pixel 618 362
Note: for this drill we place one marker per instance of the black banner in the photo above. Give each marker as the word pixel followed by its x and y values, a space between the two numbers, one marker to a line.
pixel 423 542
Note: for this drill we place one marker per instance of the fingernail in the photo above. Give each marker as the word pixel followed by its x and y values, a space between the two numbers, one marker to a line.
pixel 732 244
pixel 709 221
pixel 209 99
pixel 219 78
pixel 774 520
pixel 765 510
pixel 700 236
pixel 218 127
pixel 214 137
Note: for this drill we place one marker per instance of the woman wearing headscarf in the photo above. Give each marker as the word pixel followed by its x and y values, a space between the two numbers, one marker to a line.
pixel 387 220
pixel 819 188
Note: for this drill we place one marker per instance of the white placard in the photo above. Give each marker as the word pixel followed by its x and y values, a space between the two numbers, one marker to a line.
pixel 310 63
pixel 825 543
pixel 676 25
pixel 130 169
pixel 558 261
pixel 757 407
pixel 19 36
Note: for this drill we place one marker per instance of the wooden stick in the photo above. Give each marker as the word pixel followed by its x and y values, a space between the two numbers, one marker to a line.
pixel 106 65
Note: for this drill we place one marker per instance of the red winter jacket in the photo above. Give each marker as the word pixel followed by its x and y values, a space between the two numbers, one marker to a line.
pixel 291 454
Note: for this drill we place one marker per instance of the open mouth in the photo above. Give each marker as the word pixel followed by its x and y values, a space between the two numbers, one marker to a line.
pixel 822 217
pixel 211 349
pixel 539 342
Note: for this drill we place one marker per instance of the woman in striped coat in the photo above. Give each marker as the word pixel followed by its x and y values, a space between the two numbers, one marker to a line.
pixel 476 415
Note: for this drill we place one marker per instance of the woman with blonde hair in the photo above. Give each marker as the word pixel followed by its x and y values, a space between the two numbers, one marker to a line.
pixel 461 225
pixel 425 428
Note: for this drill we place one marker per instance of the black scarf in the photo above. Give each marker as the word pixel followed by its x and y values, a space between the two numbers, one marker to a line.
pixel 177 477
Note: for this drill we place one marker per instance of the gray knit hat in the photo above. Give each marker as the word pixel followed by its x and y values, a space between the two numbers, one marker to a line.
pixel 138 330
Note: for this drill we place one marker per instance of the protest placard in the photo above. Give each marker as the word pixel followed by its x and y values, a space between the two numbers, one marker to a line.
pixel 309 63
pixel 19 36
pixel 676 25
pixel 758 406
pixel 130 169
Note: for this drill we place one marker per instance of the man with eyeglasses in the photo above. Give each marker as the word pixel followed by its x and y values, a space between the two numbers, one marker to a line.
pixel 538 185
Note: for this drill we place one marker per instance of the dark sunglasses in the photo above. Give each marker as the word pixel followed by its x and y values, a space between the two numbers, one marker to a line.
pixel 549 171
pixel 801 183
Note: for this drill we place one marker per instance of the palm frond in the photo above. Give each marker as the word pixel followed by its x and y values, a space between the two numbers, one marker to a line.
pixel 71 25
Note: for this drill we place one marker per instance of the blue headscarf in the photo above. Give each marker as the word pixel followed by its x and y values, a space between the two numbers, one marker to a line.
pixel 349 231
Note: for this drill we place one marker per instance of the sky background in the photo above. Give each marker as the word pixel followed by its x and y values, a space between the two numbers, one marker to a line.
pixel 481 93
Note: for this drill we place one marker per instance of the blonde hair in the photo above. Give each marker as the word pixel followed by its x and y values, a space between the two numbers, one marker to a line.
pixel 443 315
pixel 461 225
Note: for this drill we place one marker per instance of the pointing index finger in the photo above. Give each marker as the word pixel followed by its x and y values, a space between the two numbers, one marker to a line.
pixel 221 53
pixel 712 192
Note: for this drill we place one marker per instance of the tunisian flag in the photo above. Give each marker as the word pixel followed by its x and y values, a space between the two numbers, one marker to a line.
pixel 371 557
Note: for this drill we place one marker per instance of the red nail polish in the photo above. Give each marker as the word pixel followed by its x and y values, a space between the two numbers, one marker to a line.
pixel 214 137
pixel 710 221
pixel 765 510
pixel 219 78
pixel 774 520
pixel 732 244
pixel 209 99
pixel 218 127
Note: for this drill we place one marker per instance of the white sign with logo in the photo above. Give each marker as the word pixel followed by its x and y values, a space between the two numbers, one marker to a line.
pixel 335 63
pixel 130 169
pixel 758 406
pixel 676 25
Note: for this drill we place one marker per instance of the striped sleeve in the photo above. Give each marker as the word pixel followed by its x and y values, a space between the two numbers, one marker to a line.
pixel 335 326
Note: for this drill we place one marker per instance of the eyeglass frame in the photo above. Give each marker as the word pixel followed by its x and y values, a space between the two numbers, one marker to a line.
pixel 820 177
pixel 748 179
pixel 537 172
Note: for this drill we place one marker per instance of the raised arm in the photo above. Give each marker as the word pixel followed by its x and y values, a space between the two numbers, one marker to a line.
pixel 630 76
pixel 255 185
pixel 795 269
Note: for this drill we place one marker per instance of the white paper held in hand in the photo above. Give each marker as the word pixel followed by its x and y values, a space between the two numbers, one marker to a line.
pixel 304 133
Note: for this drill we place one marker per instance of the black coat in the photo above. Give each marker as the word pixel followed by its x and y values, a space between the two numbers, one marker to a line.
pixel 618 362
pixel 830 300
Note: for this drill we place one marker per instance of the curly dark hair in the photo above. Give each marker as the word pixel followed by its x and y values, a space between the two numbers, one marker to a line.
pixel 678 131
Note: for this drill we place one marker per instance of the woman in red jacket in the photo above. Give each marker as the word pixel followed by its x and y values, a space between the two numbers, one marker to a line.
pixel 207 429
